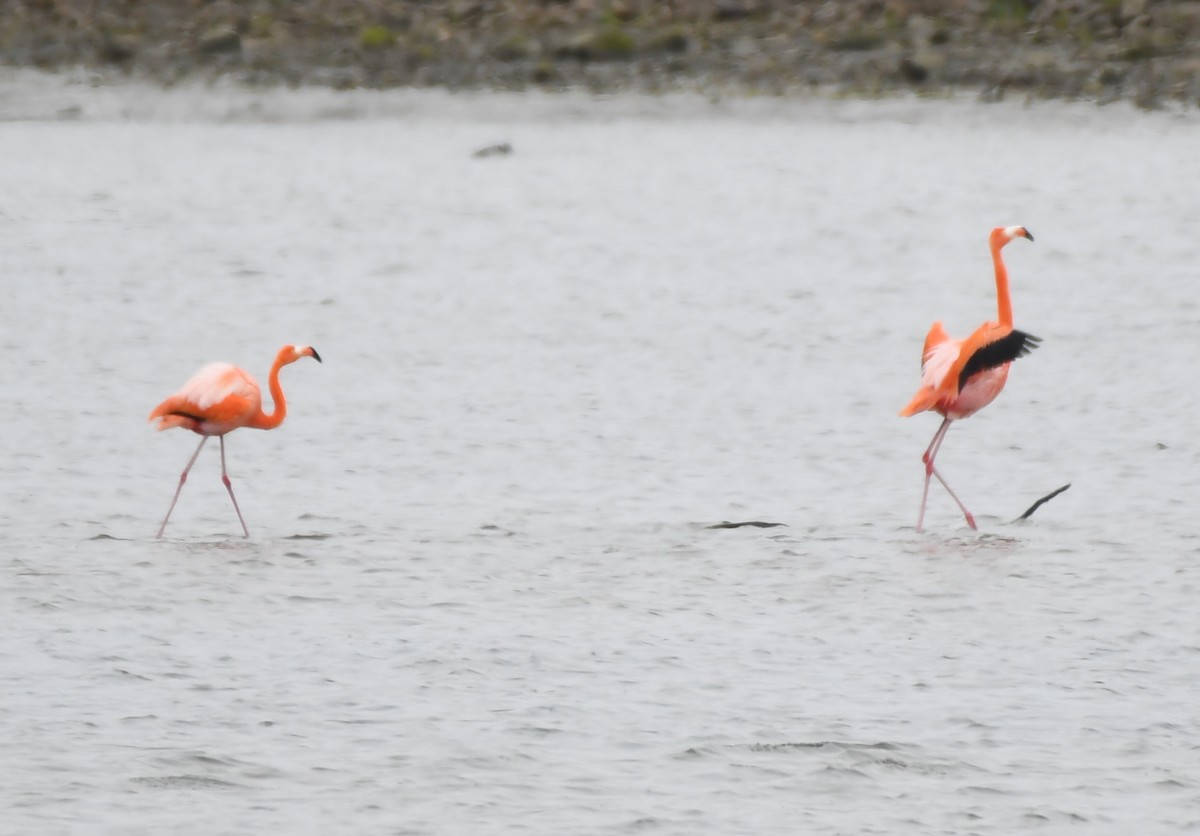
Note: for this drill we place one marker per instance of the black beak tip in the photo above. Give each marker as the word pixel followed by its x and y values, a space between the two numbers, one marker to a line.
pixel 316 356
pixel 1028 234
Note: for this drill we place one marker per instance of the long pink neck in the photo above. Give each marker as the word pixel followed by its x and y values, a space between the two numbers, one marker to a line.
pixel 263 421
pixel 1003 302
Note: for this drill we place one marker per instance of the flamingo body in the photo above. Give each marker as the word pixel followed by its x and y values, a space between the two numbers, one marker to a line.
pixel 959 377
pixel 218 399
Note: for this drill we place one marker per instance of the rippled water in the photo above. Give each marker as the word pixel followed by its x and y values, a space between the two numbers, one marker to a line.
pixel 481 594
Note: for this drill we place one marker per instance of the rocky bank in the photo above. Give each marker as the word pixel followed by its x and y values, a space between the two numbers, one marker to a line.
pixel 1139 50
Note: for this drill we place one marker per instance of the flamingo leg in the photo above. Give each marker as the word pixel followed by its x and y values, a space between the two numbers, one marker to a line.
pixel 229 487
pixel 927 458
pixel 930 454
pixel 182 479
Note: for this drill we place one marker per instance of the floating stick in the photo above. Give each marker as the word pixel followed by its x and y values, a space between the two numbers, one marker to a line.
pixel 1042 501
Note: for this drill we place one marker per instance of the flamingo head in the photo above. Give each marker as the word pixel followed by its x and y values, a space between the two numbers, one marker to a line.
pixel 292 353
pixel 1001 235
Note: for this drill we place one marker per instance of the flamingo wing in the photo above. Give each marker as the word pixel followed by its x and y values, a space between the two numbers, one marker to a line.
pixel 216 399
pixel 941 353
pixel 937 362
pixel 993 353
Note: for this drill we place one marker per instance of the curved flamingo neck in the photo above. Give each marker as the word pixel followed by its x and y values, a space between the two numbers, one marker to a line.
pixel 1003 302
pixel 263 421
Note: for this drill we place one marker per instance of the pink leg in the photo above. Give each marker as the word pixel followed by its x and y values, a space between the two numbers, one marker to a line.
pixel 182 479
pixel 927 458
pixel 229 487
pixel 930 455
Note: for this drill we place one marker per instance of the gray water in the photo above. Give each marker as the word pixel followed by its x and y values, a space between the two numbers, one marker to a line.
pixel 480 593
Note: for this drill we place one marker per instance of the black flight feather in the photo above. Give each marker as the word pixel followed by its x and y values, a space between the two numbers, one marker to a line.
pixel 996 353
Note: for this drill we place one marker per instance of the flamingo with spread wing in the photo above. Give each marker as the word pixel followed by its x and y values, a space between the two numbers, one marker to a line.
pixel 961 377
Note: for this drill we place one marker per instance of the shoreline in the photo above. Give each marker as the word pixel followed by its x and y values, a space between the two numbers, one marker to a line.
pixel 88 96
pixel 1143 52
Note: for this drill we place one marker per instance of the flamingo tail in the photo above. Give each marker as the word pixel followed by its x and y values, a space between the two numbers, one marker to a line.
pixel 926 398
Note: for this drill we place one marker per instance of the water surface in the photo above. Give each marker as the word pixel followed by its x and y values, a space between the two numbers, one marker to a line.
pixel 480 593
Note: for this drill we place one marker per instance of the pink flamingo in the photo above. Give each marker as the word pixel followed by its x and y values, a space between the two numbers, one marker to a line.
pixel 961 377
pixel 218 399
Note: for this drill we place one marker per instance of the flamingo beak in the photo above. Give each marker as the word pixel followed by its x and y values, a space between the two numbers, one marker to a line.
pixel 315 356
pixel 1026 233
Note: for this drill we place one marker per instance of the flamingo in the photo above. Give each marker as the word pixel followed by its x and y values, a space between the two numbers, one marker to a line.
pixel 217 400
pixel 961 377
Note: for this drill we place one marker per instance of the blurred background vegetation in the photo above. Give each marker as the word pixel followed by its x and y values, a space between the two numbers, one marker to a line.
pixel 1140 50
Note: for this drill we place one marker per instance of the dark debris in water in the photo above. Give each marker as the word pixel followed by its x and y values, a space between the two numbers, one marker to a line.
pixel 816 744
pixel 783 747
pixel 308 537
pixel 193 782
pixel 1029 511
pixel 500 149
pixel 747 523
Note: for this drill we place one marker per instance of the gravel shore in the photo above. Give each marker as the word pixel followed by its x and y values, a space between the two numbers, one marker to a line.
pixel 1106 50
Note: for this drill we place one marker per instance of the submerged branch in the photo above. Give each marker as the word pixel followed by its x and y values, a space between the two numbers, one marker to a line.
pixel 1042 501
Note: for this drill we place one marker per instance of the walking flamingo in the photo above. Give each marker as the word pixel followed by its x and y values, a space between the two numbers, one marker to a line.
pixel 961 377
pixel 218 399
